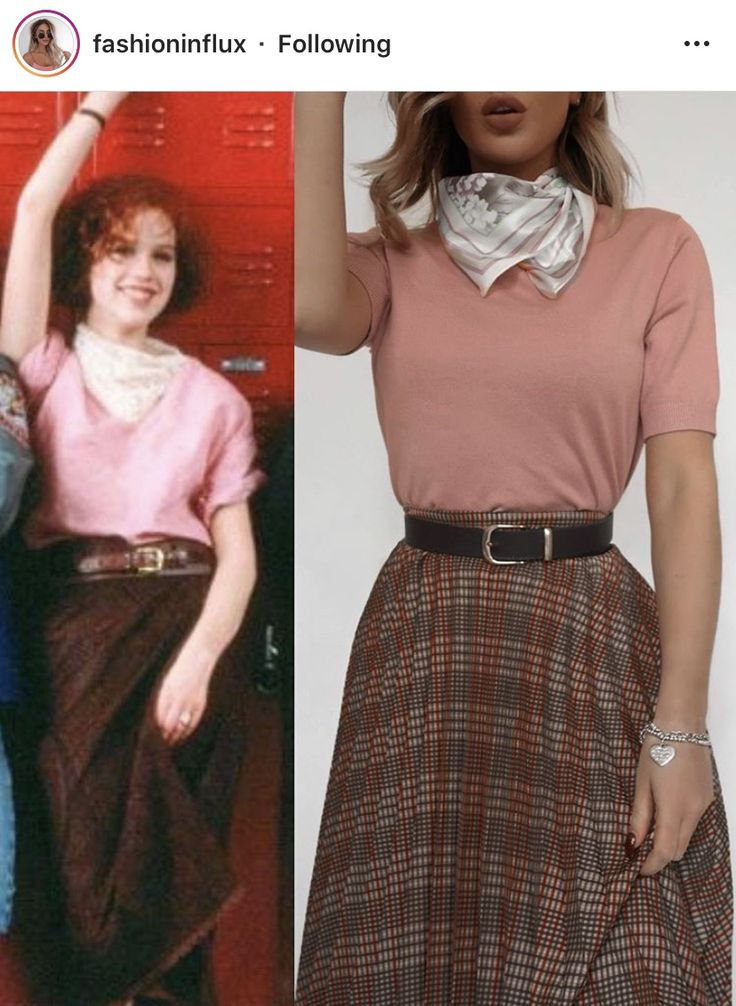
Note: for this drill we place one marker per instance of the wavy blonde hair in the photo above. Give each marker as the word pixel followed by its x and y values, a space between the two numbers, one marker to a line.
pixel 427 148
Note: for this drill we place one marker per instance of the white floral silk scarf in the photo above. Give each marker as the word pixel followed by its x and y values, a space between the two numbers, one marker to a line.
pixel 491 222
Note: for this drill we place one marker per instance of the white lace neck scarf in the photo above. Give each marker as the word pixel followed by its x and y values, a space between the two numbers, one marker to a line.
pixel 127 380
pixel 490 222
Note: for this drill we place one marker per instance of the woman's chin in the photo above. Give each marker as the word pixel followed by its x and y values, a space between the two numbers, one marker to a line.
pixel 128 327
pixel 143 312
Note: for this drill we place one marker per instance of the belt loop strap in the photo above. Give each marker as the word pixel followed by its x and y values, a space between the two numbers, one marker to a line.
pixel 547 543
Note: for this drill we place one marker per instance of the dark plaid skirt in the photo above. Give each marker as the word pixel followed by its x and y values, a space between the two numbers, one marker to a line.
pixel 136 829
pixel 471 850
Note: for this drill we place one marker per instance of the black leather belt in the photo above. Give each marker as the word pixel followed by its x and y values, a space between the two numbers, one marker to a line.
pixel 506 543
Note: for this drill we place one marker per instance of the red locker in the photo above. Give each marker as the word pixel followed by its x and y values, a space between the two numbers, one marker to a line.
pixel 231 153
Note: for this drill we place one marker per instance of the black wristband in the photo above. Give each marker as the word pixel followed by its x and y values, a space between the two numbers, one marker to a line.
pixel 95 115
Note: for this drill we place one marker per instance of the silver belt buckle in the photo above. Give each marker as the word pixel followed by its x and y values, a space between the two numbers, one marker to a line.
pixel 488 554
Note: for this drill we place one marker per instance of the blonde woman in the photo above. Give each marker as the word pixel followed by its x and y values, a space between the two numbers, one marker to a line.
pixel 44 53
pixel 523 805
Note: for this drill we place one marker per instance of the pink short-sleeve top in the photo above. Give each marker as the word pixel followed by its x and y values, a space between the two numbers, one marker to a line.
pixel 162 476
pixel 40 66
pixel 514 401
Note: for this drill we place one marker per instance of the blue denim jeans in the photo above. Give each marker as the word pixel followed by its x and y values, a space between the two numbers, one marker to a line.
pixel 7 842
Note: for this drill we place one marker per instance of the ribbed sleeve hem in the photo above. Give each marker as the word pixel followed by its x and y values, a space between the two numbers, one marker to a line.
pixel 667 417
pixel 366 261
pixel 374 287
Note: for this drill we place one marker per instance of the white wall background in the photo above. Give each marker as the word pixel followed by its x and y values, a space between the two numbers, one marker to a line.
pixel 347 519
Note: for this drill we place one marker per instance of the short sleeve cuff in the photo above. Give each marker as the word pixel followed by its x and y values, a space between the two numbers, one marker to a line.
pixel 366 268
pixel 366 261
pixel 668 417
pixel 228 493
pixel 232 471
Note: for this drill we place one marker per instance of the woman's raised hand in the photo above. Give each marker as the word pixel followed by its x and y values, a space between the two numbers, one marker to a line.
pixel 26 296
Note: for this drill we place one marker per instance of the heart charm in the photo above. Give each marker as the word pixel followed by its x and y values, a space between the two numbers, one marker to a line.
pixel 662 753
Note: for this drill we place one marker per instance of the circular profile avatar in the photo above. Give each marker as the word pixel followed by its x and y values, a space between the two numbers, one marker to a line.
pixel 46 43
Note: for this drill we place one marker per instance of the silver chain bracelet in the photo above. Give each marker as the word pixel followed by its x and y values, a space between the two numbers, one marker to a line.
pixel 664 753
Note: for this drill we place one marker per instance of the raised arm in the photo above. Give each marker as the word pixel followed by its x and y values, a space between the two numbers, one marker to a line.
pixel 332 310
pixel 27 289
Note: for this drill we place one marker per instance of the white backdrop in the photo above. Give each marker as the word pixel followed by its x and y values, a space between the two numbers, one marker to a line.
pixel 347 519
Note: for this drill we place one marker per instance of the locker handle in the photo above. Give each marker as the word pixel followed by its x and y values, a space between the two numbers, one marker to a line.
pixel 244 364
pixel 268 677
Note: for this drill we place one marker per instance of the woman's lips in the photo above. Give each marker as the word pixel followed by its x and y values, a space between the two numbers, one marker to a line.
pixel 498 101
pixel 503 112
pixel 139 294
pixel 504 121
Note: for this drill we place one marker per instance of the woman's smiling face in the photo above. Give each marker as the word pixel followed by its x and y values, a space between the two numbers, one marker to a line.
pixel 132 280
pixel 513 132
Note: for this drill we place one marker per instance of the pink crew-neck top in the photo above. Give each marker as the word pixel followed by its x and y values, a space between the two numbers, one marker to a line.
pixel 40 66
pixel 162 476
pixel 514 401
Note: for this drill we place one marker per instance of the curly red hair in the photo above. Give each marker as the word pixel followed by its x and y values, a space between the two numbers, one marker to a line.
pixel 94 219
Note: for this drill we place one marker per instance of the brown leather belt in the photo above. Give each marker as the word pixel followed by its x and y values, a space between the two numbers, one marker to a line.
pixel 96 557
pixel 508 543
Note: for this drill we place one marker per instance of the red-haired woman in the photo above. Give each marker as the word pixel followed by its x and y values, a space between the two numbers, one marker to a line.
pixel 143 563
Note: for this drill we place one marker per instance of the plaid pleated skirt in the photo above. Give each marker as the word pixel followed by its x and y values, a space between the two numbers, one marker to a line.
pixel 471 849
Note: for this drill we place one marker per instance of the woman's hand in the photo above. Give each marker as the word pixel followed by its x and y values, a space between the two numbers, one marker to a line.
pixel 182 695
pixel 27 290
pixel 183 691
pixel 678 792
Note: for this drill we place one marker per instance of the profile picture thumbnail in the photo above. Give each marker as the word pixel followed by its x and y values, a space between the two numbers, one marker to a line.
pixel 46 43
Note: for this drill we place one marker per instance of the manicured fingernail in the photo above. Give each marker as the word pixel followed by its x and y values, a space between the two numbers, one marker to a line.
pixel 630 845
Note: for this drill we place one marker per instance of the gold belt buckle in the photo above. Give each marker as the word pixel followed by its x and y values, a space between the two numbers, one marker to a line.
pixel 153 559
pixel 487 551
